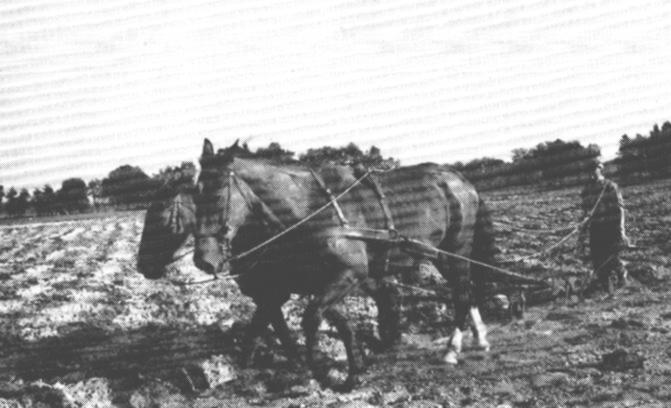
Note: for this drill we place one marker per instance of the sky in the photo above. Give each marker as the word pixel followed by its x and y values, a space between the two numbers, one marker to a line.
pixel 89 85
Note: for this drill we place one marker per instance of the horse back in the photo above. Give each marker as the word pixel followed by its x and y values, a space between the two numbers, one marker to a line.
pixel 431 203
pixel 424 201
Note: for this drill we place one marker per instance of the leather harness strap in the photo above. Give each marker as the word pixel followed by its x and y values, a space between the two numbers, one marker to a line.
pixel 374 182
pixel 331 197
pixel 380 265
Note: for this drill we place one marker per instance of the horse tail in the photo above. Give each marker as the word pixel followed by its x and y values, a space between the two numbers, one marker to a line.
pixel 484 246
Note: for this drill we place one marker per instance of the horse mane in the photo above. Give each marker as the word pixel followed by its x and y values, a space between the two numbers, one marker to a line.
pixel 225 157
pixel 170 190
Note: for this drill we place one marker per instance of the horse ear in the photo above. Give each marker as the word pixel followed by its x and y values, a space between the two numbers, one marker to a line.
pixel 236 144
pixel 208 149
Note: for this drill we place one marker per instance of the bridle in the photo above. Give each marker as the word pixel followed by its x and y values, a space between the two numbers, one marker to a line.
pixel 175 221
pixel 284 230
pixel 224 216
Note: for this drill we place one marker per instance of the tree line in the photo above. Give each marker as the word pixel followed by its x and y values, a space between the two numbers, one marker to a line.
pixel 129 187
pixel 125 187
pixel 550 164
pixel 562 163
pixel 644 157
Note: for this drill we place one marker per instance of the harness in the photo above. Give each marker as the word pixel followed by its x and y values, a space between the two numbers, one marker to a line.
pixel 382 198
pixel 385 239
pixel 331 198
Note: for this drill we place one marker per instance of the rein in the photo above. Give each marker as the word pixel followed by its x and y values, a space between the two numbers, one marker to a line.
pixel 297 224
pixel 233 181
pixel 579 226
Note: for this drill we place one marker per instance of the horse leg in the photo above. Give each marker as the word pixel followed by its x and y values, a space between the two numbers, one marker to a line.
pixel 259 322
pixel 323 306
pixel 284 334
pixel 388 310
pixel 312 318
pixel 479 330
pixel 478 327
pixel 457 272
pixel 348 337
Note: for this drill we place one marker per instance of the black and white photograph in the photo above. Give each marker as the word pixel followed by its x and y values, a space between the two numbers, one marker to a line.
pixel 342 204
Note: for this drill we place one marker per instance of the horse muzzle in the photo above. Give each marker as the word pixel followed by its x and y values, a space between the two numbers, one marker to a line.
pixel 208 255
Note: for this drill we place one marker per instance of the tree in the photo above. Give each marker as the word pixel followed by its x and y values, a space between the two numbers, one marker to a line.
pixel 520 154
pixel 373 158
pixel 95 190
pixel 73 195
pixel 17 203
pixel 23 201
pixel 276 152
pixel 658 150
pixel 170 180
pixel 128 185
pixel 350 154
pixel 483 165
pixel 177 176
pixel 51 204
pixel 559 162
pixel 37 202
pixel 2 195
pixel 645 156
pixel 11 201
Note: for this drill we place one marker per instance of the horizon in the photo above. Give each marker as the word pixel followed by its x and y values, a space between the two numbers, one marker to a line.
pixel 195 161
pixel 88 87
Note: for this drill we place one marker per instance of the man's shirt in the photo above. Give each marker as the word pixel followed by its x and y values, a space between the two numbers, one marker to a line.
pixel 610 208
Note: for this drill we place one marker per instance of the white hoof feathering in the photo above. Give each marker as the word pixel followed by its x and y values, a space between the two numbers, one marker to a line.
pixel 481 344
pixel 451 358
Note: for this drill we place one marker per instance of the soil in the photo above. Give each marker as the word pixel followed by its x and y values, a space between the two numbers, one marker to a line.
pixel 80 327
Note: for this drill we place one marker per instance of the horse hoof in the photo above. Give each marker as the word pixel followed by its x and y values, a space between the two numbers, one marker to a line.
pixel 482 345
pixel 339 381
pixel 451 358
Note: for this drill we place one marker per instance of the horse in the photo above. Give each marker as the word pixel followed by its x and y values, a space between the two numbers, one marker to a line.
pixel 243 200
pixel 169 221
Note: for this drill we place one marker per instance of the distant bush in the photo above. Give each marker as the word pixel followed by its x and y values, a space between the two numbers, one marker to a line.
pixel 73 196
pixel 128 186
pixel 549 164
pixel 645 157
pixel 17 202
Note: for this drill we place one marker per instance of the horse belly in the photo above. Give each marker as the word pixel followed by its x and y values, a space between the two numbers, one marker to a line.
pixel 305 269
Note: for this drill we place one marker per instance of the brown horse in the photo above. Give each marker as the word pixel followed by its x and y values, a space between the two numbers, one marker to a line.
pixel 172 218
pixel 319 258
pixel 168 223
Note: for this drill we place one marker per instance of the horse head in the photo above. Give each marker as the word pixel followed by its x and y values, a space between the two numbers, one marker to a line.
pixel 168 222
pixel 223 204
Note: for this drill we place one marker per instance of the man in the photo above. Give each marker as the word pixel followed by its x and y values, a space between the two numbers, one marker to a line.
pixel 603 206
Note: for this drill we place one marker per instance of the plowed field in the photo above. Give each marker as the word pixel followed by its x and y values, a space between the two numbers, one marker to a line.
pixel 80 327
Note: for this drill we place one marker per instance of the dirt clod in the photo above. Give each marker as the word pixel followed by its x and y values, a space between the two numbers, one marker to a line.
pixel 549 380
pixel 621 360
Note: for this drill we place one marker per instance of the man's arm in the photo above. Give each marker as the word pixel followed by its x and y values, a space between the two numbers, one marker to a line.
pixel 621 213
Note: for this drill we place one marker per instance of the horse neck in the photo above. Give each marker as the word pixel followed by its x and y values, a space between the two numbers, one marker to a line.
pixel 250 209
pixel 283 193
